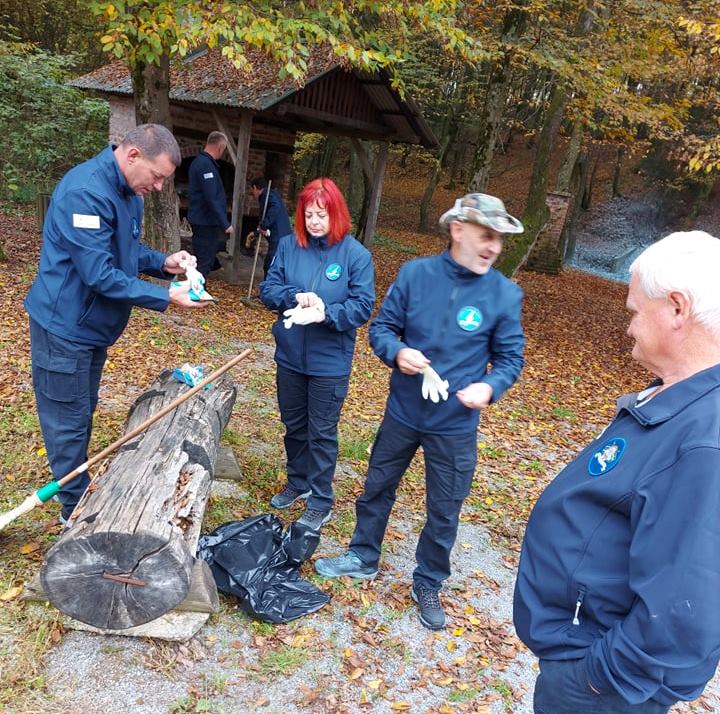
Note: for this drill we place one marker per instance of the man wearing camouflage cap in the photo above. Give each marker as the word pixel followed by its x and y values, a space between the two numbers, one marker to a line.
pixel 442 322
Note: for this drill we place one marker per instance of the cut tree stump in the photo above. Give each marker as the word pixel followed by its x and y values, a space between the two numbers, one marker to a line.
pixel 129 556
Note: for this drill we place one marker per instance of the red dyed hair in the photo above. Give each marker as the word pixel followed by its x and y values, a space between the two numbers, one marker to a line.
pixel 327 195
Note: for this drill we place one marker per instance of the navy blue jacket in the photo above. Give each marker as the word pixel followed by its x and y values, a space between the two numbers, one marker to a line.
pixel 276 218
pixel 207 202
pixel 630 530
pixel 460 321
pixel 342 275
pixel 87 280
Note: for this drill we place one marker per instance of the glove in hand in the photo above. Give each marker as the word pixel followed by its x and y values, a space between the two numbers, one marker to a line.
pixel 433 387
pixel 304 315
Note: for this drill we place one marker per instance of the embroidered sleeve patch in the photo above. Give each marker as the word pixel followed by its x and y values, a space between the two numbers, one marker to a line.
pixel 80 220
pixel 208 175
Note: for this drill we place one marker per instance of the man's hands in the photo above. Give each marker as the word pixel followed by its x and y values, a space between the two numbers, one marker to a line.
pixel 177 262
pixel 180 295
pixel 476 395
pixel 229 230
pixel 411 361
pixel 179 292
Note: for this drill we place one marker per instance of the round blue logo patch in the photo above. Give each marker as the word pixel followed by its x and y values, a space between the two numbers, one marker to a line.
pixel 607 457
pixel 469 318
pixel 333 272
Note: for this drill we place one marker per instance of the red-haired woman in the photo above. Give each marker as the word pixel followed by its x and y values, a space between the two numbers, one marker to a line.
pixel 321 282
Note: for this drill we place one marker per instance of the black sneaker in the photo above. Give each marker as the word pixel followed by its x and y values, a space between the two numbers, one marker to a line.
pixel 314 519
pixel 431 612
pixel 287 497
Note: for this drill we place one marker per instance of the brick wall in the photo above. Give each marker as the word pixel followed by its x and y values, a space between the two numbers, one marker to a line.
pixel 547 253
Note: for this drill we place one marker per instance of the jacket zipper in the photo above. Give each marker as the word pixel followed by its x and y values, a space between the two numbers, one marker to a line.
pixel 578 604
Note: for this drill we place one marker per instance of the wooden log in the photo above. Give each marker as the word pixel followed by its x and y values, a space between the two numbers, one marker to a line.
pixel 129 555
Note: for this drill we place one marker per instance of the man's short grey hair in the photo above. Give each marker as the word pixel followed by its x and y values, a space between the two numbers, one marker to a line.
pixel 215 138
pixel 153 140
pixel 686 262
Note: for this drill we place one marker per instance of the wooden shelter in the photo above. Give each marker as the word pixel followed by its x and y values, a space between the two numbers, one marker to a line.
pixel 262 114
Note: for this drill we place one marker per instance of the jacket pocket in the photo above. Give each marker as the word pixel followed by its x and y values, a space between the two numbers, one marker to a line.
pixel 57 378
pixel 88 309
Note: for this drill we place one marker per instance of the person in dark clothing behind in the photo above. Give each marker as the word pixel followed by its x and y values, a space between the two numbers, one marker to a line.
pixel 276 223
pixel 618 587
pixel 207 203
pixel 455 311
pixel 322 282
pixel 87 283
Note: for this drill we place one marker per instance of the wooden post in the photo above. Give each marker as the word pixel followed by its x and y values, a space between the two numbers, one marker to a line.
pixel 375 195
pixel 239 189
pixel 129 557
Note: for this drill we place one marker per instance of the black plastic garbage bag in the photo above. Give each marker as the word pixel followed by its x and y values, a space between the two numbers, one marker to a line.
pixel 254 560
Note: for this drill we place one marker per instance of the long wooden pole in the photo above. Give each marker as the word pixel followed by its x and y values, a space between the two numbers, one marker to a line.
pixel 53 487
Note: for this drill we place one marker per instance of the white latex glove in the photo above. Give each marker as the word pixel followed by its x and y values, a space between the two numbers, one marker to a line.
pixel 304 315
pixel 289 320
pixel 433 387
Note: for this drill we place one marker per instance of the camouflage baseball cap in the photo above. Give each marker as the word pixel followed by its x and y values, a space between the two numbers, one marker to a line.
pixel 483 209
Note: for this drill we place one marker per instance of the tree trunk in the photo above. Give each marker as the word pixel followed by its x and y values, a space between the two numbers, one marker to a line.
pixel 616 172
pixel 489 125
pixel 536 210
pixel 567 167
pixel 129 556
pixel 151 84
pixel 423 225
pixel 356 188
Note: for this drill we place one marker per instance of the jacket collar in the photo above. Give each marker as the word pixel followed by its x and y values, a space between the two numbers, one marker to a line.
pixel 673 400
pixel 111 168
pixel 455 270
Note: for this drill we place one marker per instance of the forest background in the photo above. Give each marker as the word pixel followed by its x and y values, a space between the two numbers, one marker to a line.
pixel 597 99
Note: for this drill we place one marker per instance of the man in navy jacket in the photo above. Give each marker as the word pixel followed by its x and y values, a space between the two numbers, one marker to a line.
pixel 87 284
pixel 618 589
pixel 455 312
pixel 275 224
pixel 207 203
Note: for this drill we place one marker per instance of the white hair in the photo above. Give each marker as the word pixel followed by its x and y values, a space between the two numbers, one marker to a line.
pixel 686 262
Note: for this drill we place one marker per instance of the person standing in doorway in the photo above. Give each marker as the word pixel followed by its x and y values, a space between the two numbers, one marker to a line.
pixel 207 209
pixel 275 223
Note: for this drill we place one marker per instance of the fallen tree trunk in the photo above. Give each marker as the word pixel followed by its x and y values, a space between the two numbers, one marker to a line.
pixel 129 556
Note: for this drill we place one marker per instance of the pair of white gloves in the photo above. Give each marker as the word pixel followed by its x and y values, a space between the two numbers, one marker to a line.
pixel 304 315
pixel 434 387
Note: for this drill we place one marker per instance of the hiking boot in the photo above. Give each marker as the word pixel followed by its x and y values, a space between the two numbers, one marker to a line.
pixel 287 497
pixel 314 519
pixel 430 611
pixel 345 564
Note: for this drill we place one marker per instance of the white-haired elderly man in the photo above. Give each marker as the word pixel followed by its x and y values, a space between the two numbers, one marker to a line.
pixel 456 312
pixel 618 589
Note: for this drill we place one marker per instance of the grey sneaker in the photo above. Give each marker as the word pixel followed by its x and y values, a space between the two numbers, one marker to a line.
pixel 314 519
pixel 287 497
pixel 345 564
pixel 430 611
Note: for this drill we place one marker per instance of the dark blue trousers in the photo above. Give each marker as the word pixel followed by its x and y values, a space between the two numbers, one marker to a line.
pixel 66 379
pixel 562 688
pixel 206 242
pixel 310 410
pixel 449 467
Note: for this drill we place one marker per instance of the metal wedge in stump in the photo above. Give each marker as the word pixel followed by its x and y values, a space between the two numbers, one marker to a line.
pixel 129 556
